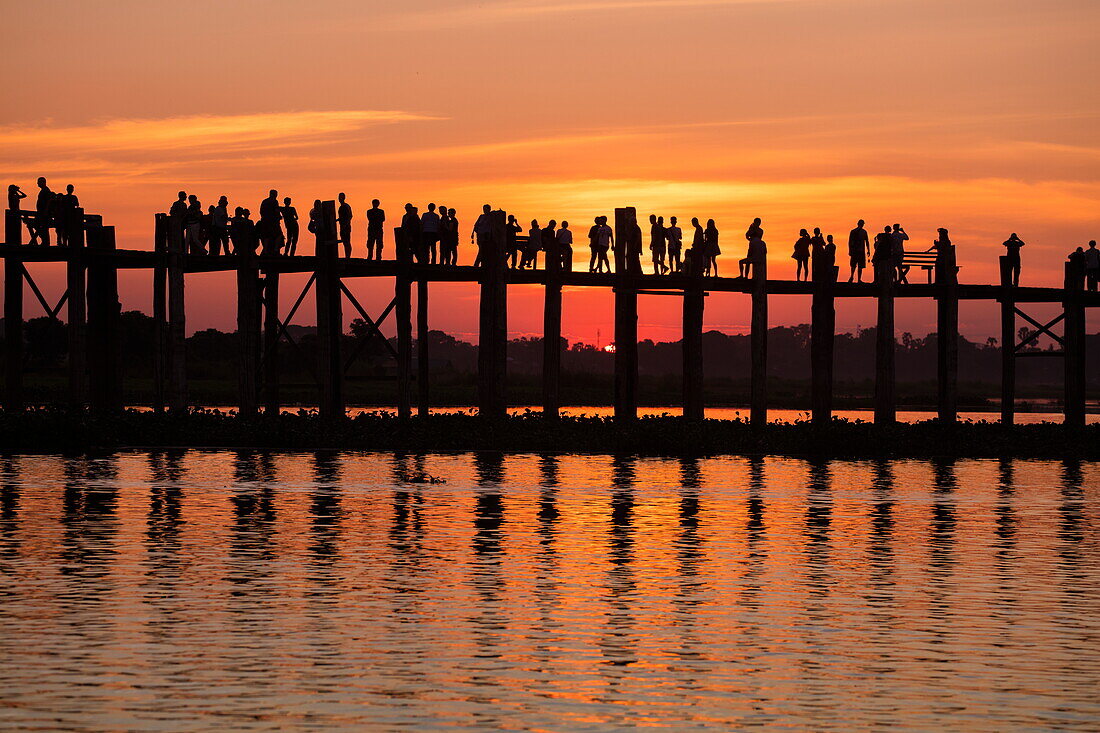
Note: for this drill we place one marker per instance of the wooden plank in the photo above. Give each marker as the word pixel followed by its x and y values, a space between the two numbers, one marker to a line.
pixel 758 345
pixel 626 317
pixel 947 336
pixel 13 315
pixel 422 365
pixel 75 273
pixel 329 315
pixel 885 386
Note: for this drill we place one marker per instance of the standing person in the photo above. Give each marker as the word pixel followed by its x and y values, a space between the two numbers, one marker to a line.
pixel 593 244
pixel 376 219
pixel 1012 245
pixel 697 254
pixel 828 259
pixel 290 221
pixel 482 233
pixel 758 250
pixel 565 247
pixel 42 213
pixel 15 204
pixel 549 244
pixel 1092 266
pixel 1077 260
pixel 859 249
pixel 192 227
pixel 314 225
pixel 452 244
pixel 511 248
pixel 444 236
pixel 531 251
pixel 237 231
pixel 429 234
pixel 713 250
pixel 817 252
pixel 270 227
pixel 898 253
pixel 219 227
pixel 801 255
pixel 657 244
pixel 410 233
pixel 65 205
pixel 343 218
pixel 883 256
pixel 674 242
pixel 179 206
pixel 605 240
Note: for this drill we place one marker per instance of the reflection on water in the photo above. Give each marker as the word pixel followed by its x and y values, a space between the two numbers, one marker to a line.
pixel 188 589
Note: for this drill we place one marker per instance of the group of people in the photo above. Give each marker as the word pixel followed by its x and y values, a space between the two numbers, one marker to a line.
pixel 52 210
pixel 216 232
pixel 1088 260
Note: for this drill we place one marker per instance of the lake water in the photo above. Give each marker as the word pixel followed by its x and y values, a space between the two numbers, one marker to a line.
pixel 241 590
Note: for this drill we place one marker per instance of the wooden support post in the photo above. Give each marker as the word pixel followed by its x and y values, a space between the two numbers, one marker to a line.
pixel 758 344
pixel 626 316
pixel 13 316
pixel 1074 346
pixel 422 348
pixel 947 338
pixel 692 343
pixel 271 343
pixel 329 318
pixel 1008 344
pixel 177 319
pixel 551 337
pixel 75 269
pixel 104 356
pixel 885 391
pixel 403 297
pixel 492 354
pixel 248 331
pixel 160 311
pixel 822 333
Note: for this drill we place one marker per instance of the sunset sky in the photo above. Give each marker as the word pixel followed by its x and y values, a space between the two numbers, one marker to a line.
pixel 978 115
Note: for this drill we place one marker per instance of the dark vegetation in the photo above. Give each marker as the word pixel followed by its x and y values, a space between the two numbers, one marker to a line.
pixel 212 360
pixel 49 430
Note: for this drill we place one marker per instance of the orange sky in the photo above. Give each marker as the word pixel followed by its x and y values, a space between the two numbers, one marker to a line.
pixel 980 116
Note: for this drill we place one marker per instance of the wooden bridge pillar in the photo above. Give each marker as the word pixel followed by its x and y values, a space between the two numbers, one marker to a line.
pixel 270 351
pixel 160 309
pixel 1008 344
pixel 422 364
pixel 551 338
pixel 76 305
pixel 177 318
pixel 822 335
pixel 626 316
pixel 248 331
pixel 492 356
pixel 692 343
pixel 758 344
pixel 329 315
pixel 1074 346
pixel 885 390
pixel 104 309
pixel 947 335
pixel 13 316
pixel 402 296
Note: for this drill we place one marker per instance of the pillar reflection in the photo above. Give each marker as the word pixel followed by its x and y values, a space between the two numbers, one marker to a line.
pixel 617 642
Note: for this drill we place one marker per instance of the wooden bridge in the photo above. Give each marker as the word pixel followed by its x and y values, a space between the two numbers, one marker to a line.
pixel 92 261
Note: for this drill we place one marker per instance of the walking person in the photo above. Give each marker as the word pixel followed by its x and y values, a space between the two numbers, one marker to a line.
pixel 801 255
pixel 1092 266
pixel 713 250
pixel 376 219
pixel 593 244
pixel 343 218
pixel 605 241
pixel 859 249
pixel 565 247
pixel 429 234
pixel 1012 247
pixel 290 221
pixel 674 243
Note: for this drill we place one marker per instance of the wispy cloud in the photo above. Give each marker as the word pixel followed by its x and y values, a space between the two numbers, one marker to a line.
pixel 221 132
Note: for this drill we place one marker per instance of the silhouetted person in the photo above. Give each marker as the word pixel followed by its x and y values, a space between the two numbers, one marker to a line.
pixel 565 247
pixel 801 255
pixel 219 227
pixel 1077 261
pixel 1012 247
pixel 444 236
pixel 65 205
pixel 1092 266
pixel 482 233
pixel 605 240
pixel 206 226
pixel 290 221
pixel 511 246
pixel 657 244
pixel 429 234
pixel 410 233
pixel 179 206
pixel 452 235
pixel 898 253
pixel 549 244
pixel 192 227
pixel 859 249
pixel 674 242
pixel 593 237
pixel 712 248
pixel 758 250
pixel 15 203
pixel 883 256
pixel 697 253
pixel 817 252
pixel 238 231
pixel 828 259
pixel 531 248
pixel 270 227
pixel 376 219
pixel 314 225
pixel 343 218
pixel 42 209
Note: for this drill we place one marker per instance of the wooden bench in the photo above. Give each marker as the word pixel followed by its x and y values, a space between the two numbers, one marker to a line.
pixel 924 260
